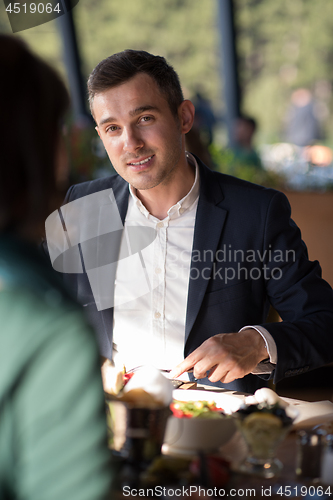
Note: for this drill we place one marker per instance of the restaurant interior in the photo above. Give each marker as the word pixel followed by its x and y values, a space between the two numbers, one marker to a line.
pixel 264 114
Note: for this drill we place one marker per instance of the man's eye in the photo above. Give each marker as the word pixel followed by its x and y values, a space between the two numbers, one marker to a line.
pixel 112 128
pixel 146 118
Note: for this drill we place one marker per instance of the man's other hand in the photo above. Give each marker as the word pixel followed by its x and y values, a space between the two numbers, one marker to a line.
pixel 226 356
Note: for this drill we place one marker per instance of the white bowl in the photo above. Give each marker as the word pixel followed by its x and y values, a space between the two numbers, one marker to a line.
pixel 188 436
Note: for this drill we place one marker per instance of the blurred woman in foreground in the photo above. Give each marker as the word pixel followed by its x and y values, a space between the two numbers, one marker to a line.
pixel 52 421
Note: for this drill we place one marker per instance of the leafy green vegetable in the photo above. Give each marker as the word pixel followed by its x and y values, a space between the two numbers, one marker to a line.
pixel 194 409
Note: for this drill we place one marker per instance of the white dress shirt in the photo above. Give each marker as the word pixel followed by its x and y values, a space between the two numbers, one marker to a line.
pixel 151 287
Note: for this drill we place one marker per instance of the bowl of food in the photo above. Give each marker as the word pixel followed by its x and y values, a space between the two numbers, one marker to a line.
pixel 200 422
pixel 137 413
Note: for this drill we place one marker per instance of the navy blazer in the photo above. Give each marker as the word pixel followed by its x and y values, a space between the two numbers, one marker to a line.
pixel 247 254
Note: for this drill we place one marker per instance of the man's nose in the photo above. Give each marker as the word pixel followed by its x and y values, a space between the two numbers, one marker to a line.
pixel 132 140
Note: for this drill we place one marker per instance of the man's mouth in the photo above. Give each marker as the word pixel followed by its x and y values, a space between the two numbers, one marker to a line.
pixel 142 162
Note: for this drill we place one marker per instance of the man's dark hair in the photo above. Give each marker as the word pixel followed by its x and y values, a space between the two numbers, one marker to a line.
pixel 34 101
pixel 121 67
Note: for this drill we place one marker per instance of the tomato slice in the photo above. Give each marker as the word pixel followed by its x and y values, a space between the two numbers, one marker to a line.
pixel 127 377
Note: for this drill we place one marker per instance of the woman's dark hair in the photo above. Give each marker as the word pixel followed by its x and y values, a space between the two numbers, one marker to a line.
pixel 121 67
pixel 34 101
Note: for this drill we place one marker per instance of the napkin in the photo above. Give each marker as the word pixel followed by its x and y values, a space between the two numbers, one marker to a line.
pixel 311 414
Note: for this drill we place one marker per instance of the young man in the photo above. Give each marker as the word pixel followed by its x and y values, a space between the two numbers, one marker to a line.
pixel 222 251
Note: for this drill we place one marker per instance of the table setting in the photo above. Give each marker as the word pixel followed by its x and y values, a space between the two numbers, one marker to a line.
pixel 218 440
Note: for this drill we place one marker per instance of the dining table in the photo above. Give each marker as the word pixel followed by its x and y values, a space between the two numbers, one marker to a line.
pixel 287 484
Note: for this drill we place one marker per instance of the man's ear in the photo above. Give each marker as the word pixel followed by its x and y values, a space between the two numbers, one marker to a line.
pixel 186 113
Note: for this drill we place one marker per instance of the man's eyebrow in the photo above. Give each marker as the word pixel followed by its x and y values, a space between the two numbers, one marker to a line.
pixel 134 112
pixel 142 109
pixel 108 119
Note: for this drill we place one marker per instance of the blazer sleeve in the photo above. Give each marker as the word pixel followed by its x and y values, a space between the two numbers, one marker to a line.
pixel 304 338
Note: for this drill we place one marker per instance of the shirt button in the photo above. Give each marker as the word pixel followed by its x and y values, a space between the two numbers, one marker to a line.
pixel 158 270
pixel 157 315
pixel 181 210
pixel 160 224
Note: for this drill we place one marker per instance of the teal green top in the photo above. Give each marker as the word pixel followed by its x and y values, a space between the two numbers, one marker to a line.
pixel 52 419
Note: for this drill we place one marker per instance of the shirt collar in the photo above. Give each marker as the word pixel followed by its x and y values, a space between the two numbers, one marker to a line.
pixel 182 205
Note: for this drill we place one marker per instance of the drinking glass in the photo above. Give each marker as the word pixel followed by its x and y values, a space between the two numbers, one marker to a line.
pixel 263 430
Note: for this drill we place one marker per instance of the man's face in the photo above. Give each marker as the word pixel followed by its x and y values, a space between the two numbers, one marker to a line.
pixel 140 134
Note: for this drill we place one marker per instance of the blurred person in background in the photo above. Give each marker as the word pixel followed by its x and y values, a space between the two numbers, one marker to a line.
pixel 243 149
pixel 52 420
pixel 200 137
pixel 204 118
pixel 302 124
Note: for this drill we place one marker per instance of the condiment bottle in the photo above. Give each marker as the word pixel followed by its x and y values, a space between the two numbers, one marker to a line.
pixel 327 462
pixel 309 453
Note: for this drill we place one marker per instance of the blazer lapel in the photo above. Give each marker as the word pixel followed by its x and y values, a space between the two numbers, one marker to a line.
pixel 121 194
pixel 101 252
pixel 209 223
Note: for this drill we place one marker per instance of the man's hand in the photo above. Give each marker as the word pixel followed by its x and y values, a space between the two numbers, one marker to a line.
pixel 226 356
